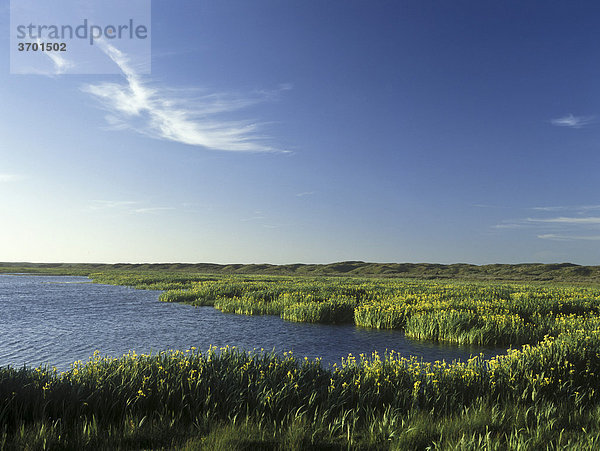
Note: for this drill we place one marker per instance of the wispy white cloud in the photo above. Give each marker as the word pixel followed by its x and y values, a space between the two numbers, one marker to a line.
pixel 573 121
pixel 126 206
pixel 258 215
pixel 577 223
pixel 253 218
pixel 566 220
pixel 509 225
pixel 61 65
pixel 587 207
pixel 106 204
pixel 306 193
pixel 177 115
pixel 556 237
pixel 560 222
pixel 576 208
pixel 555 208
pixel 151 210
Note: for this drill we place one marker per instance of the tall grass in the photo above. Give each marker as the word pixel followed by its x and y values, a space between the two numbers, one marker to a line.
pixel 465 313
pixel 138 397
pixel 338 309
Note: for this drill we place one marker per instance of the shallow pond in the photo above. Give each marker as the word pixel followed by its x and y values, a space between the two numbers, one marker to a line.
pixel 56 320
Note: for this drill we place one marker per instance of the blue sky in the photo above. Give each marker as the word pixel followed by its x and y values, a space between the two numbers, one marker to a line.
pixel 314 131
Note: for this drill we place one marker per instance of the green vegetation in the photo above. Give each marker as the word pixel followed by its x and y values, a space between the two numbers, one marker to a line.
pixel 563 272
pixel 529 398
pixel 458 312
pixel 543 394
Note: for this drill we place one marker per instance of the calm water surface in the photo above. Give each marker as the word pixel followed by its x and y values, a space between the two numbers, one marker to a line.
pixel 56 320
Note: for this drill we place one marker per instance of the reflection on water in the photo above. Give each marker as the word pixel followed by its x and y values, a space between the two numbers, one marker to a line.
pixel 56 320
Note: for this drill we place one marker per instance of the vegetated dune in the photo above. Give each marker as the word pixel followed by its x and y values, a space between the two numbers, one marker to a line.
pixel 558 272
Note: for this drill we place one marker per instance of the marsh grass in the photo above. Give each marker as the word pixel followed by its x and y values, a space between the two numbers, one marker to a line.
pixel 226 397
pixel 337 309
pixel 458 312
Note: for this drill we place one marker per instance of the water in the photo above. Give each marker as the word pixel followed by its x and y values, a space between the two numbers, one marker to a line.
pixel 56 320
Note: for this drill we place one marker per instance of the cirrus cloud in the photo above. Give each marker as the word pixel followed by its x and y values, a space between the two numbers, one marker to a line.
pixel 573 121
pixel 178 116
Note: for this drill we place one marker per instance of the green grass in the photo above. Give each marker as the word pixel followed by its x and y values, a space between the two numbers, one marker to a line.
pixel 225 397
pixel 335 310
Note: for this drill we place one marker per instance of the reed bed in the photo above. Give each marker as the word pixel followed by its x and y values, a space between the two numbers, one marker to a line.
pixel 137 399
pixel 464 313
